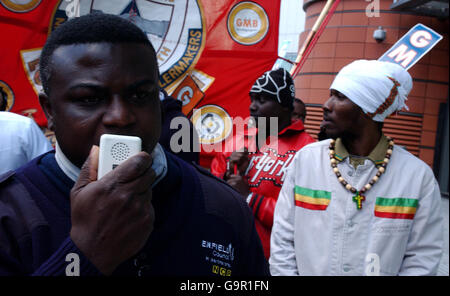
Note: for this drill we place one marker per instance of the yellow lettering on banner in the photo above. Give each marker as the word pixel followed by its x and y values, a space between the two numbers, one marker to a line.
pixel 187 60
pixel 166 77
pixel 194 41
pixel 183 64
pixel 195 34
pixel 165 51
pixel 180 67
pixel 190 54
pixel 193 48
pixel 173 74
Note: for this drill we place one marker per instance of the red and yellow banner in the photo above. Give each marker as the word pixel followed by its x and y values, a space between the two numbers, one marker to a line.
pixel 217 47
pixel 24 27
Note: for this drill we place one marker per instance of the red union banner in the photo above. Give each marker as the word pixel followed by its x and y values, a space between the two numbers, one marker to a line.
pixel 23 30
pixel 221 47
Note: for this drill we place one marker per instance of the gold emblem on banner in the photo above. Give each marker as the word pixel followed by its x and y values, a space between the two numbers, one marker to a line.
pixel 176 30
pixel 213 124
pixel 20 5
pixel 247 23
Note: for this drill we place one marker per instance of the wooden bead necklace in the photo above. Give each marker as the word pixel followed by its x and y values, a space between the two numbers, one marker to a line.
pixel 359 197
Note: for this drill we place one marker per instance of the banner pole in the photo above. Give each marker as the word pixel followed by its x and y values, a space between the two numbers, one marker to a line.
pixel 308 41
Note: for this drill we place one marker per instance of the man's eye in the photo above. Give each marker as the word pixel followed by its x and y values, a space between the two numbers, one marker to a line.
pixel 141 96
pixel 91 100
pixel 337 95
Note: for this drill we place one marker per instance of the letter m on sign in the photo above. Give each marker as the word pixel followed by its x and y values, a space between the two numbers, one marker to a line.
pixel 409 49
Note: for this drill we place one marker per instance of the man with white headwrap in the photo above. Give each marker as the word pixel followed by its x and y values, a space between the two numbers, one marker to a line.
pixel 357 204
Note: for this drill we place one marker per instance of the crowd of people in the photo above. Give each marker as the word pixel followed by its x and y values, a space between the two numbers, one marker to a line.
pixel 275 202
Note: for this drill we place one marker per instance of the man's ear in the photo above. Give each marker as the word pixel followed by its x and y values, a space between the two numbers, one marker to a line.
pixel 48 111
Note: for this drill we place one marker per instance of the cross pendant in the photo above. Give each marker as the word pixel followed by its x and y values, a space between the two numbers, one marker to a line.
pixel 358 199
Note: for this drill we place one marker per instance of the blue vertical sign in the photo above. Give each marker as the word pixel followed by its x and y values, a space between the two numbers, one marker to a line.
pixel 412 46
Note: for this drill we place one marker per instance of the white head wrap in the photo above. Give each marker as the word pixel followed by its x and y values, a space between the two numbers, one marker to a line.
pixel 379 88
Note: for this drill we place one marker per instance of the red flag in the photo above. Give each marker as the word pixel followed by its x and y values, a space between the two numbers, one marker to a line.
pixel 223 46
pixel 23 29
pixel 241 44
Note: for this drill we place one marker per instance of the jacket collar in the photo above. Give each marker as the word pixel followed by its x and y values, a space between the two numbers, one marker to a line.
pixel 296 126
pixel 376 156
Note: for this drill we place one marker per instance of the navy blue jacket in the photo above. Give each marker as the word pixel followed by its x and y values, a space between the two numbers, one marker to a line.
pixel 202 227
pixel 172 109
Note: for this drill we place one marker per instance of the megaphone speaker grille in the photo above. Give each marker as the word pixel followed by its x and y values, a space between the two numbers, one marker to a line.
pixel 120 151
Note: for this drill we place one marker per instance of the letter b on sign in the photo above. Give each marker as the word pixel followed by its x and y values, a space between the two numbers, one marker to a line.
pixel 73 268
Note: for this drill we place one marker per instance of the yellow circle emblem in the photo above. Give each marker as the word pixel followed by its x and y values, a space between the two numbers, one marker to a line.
pixel 247 23
pixel 213 124
pixel 20 5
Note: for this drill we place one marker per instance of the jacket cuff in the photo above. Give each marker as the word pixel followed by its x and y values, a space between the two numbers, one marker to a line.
pixel 68 260
pixel 249 198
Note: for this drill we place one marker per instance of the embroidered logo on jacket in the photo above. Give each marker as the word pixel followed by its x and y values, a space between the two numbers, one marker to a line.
pixel 220 256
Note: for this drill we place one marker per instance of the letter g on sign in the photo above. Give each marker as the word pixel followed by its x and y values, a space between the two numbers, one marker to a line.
pixel 185 95
pixel 421 39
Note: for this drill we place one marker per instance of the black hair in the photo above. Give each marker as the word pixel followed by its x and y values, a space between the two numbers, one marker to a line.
pixel 90 28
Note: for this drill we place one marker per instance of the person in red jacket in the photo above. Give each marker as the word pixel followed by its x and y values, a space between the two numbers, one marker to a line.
pixel 255 161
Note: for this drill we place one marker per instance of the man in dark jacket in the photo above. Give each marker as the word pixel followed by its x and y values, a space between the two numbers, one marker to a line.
pixel 153 214
pixel 172 110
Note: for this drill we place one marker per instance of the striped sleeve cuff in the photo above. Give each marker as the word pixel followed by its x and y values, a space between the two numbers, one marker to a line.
pixel 254 201
pixel 249 198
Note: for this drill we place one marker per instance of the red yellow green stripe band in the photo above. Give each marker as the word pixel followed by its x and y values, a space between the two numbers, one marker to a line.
pixel 394 215
pixel 311 199
pixel 396 208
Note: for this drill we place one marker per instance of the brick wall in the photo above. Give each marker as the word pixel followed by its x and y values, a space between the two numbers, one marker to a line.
pixel 348 36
